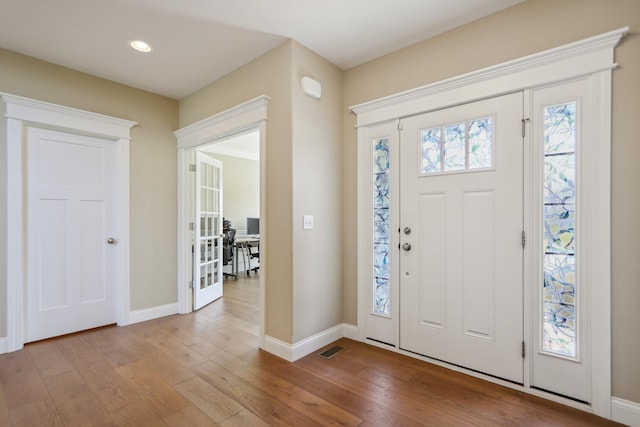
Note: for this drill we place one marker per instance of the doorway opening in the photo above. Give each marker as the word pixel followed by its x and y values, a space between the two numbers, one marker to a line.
pixel 240 160
pixel 216 138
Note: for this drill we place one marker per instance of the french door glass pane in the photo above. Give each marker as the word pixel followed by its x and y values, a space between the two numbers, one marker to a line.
pixel 559 333
pixel 381 226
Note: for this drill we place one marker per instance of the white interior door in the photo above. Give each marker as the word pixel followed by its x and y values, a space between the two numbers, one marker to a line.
pixel 461 267
pixel 207 258
pixel 71 266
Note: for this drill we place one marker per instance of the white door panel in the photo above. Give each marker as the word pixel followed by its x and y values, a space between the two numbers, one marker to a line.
pixel 207 261
pixel 461 280
pixel 71 197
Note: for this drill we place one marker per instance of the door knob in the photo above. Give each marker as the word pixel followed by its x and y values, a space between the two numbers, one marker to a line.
pixel 112 241
pixel 406 247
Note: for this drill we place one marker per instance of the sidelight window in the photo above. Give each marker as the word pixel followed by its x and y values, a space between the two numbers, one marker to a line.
pixel 381 206
pixel 559 230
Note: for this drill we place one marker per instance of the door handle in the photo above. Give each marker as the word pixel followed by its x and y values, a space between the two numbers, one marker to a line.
pixel 406 247
pixel 112 241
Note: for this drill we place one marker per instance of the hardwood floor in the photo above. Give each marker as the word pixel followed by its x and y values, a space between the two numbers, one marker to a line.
pixel 204 369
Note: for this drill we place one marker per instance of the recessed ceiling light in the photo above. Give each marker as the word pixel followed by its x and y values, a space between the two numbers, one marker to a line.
pixel 140 46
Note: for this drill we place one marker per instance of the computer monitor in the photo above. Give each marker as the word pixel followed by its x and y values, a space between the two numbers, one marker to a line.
pixel 253 226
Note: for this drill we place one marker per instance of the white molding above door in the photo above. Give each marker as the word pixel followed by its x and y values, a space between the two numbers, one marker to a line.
pixel 21 113
pixel 577 59
pixel 591 58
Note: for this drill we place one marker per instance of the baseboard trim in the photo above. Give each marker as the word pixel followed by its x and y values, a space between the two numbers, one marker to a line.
pixel 137 316
pixel 625 412
pixel 293 352
pixel 351 331
pixel 277 348
pixel 4 345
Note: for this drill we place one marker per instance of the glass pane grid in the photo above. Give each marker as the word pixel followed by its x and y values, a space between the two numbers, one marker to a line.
pixel 455 147
pixel 381 204
pixel 559 328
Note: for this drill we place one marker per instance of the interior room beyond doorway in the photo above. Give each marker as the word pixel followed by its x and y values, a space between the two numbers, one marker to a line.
pixel 240 157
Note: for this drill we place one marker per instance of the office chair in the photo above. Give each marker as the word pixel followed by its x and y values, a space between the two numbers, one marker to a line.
pixel 253 255
pixel 228 248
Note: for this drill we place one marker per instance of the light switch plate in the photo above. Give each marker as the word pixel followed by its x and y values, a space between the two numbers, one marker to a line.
pixel 307 222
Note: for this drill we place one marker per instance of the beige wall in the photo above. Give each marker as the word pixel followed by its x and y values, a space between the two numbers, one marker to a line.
pixel 530 27
pixel 268 75
pixel 303 288
pixel 153 163
pixel 317 191
pixel 241 189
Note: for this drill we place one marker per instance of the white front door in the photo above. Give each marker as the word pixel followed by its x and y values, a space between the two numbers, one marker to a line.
pixel 71 217
pixel 207 254
pixel 461 222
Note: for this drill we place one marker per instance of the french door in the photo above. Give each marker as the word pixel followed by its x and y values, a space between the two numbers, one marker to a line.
pixel 207 254
pixel 461 259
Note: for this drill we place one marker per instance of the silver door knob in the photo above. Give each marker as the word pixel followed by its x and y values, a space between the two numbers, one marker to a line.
pixel 112 241
pixel 406 247
pixel 407 230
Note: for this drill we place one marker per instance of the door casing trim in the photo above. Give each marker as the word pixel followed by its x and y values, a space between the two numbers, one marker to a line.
pixel 21 113
pixel 245 117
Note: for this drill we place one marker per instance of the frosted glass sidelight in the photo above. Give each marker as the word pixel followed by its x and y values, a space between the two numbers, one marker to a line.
pixel 559 178
pixel 560 135
pixel 381 226
pixel 381 190
pixel 559 332
pixel 381 302
pixel 381 156
pixel 381 258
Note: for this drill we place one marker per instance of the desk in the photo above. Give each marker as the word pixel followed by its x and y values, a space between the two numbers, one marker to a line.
pixel 241 244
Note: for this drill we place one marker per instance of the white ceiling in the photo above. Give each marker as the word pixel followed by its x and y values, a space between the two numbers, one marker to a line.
pixel 246 146
pixel 198 41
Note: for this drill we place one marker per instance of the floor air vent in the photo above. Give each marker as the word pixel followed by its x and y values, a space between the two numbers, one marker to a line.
pixel 328 354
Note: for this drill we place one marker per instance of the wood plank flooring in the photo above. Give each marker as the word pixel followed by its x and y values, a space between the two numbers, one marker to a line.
pixel 205 369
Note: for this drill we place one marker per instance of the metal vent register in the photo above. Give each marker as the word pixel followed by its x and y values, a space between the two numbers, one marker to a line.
pixel 328 354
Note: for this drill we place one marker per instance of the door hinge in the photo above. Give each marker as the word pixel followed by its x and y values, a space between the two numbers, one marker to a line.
pixel 192 226
pixel 399 124
pixel 192 168
pixel 524 239
pixel 523 350
pixel 524 123
pixel 190 284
